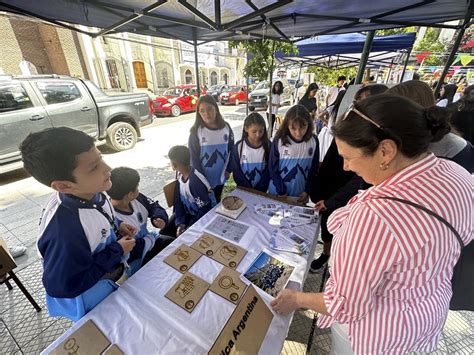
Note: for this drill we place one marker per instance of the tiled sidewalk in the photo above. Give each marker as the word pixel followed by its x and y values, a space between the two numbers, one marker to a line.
pixel 24 331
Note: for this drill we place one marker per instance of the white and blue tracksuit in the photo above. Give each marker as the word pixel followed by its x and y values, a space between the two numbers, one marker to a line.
pixel 79 246
pixel 193 198
pixel 293 167
pixel 249 166
pixel 210 150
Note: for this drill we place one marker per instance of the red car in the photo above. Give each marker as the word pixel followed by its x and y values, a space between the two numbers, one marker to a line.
pixel 235 95
pixel 174 101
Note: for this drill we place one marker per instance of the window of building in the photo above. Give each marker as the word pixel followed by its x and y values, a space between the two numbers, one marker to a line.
pixel 188 77
pixel 213 78
pixel 58 92
pixel 13 97
pixel 225 77
pixel 164 78
pixel 113 73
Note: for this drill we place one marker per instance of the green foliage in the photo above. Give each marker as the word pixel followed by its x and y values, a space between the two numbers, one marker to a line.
pixel 262 52
pixel 329 76
pixel 431 43
pixel 395 31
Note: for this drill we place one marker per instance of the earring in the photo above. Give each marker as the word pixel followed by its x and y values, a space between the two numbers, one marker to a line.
pixel 384 166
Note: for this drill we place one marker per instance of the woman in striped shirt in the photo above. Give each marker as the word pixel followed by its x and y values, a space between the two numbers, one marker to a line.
pixel 392 264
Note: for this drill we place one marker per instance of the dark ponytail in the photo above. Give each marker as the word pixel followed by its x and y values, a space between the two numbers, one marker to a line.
pixel 437 121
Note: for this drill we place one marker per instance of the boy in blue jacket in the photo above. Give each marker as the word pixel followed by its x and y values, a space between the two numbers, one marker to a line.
pixel 193 196
pixel 134 208
pixel 82 245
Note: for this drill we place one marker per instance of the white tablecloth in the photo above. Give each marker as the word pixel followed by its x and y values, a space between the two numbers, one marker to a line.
pixel 140 320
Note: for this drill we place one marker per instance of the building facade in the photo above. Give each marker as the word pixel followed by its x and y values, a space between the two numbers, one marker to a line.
pixel 120 62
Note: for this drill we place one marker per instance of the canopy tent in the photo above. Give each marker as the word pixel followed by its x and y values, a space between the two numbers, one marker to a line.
pixel 211 20
pixel 345 50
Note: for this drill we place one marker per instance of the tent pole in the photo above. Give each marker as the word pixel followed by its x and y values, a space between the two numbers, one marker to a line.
pixel 365 56
pixel 247 81
pixel 406 63
pixel 270 125
pixel 196 63
pixel 465 25
pixel 297 82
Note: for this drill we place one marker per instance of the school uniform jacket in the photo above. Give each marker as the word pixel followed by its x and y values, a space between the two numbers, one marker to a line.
pixel 210 150
pixel 249 166
pixel 293 167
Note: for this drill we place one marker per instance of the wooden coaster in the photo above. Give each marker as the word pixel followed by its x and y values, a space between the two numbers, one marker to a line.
pixel 87 339
pixel 182 258
pixel 187 291
pixel 207 244
pixel 229 255
pixel 228 285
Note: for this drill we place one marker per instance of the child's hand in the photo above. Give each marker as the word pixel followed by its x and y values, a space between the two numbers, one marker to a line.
pixel 127 244
pixel 320 206
pixel 181 229
pixel 303 197
pixel 158 223
pixel 126 230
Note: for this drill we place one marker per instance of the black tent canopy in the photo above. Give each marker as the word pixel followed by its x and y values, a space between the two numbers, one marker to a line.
pixel 210 20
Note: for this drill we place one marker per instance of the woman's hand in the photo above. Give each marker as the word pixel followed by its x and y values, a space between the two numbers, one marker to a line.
pixel 181 229
pixel 303 197
pixel 286 302
pixel 320 206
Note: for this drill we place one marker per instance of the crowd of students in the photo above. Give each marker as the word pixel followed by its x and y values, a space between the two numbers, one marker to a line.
pixel 93 231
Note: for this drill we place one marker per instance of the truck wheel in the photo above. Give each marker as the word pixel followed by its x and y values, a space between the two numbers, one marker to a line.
pixel 121 136
pixel 175 111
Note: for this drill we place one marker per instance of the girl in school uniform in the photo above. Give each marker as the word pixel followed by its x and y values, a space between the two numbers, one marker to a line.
pixel 249 159
pixel 210 143
pixel 294 156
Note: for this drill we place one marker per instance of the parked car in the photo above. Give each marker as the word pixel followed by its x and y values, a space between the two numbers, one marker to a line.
pixel 258 98
pixel 174 101
pixel 234 95
pixel 216 90
pixel 32 103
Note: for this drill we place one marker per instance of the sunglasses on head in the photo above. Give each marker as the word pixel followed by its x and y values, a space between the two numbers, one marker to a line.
pixel 361 115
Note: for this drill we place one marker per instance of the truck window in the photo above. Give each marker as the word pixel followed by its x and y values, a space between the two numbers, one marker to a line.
pixel 58 92
pixel 13 97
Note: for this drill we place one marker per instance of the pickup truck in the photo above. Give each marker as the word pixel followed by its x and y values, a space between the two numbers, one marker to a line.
pixel 32 103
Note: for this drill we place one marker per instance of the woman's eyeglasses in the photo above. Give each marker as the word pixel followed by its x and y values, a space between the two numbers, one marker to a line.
pixel 361 115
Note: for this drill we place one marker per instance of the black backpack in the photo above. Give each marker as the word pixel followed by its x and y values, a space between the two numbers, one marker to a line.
pixel 462 281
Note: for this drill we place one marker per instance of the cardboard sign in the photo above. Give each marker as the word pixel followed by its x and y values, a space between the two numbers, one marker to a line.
pixel 113 350
pixel 87 339
pixel 246 328
pixel 182 258
pixel 228 285
pixel 187 291
pixel 207 244
pixel 229 255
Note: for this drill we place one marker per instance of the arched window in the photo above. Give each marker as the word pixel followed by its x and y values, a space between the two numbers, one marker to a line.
pixel 164 78
pixel 188 77
pixel 226 78
pixel 213 78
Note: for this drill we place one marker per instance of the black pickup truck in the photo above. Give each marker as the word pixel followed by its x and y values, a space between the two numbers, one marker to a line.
pixel 32 103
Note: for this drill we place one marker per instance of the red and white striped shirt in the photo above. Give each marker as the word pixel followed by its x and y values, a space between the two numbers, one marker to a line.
pixel 392 263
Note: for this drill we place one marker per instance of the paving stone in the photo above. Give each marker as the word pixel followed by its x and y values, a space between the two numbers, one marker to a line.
pixel 41 342
pixel 7 343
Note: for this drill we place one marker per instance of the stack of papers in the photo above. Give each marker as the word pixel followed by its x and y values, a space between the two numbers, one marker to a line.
pixel 284 239
pixel 289 217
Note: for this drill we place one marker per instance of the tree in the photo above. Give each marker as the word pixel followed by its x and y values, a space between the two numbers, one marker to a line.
pixel 261 53
pixel 431 43
pixel 395 31
pixel 329 76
